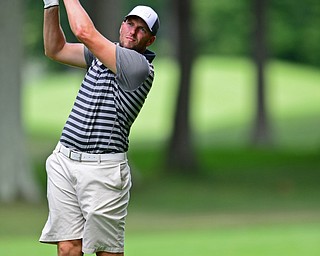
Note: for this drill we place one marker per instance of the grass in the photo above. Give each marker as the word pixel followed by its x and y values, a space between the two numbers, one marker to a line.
pixel 232 234
pixel 293 240
pixel 245 201
pixel 243 241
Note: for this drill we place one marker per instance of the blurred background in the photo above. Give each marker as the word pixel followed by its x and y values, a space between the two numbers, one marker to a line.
pixel 225 154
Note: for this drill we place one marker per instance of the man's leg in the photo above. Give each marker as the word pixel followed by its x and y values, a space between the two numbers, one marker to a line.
pixel 70 248
pixel 108 254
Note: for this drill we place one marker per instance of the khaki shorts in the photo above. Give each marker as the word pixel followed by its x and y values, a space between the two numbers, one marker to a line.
pixel 88 201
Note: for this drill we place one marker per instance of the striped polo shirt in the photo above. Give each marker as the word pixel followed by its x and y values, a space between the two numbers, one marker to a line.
pixel 107 104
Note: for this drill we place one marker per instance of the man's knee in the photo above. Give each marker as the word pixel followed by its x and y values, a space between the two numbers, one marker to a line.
pixel 109 254
pixel 70 248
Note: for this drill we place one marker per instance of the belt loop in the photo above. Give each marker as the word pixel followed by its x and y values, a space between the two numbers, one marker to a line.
pixel 99 158
pixel 58 148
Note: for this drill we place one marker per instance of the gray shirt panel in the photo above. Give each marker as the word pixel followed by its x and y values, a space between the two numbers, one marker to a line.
pixel 132 67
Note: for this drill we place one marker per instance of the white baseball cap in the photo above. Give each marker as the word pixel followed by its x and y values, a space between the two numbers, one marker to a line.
pixel 148 15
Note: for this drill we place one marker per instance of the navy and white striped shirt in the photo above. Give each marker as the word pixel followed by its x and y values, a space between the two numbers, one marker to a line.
pixel 107 104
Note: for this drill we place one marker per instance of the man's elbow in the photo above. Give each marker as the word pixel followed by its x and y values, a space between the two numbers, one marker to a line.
pixel 47 53
pixel 83 33
pixel 53 50
pixel 50 54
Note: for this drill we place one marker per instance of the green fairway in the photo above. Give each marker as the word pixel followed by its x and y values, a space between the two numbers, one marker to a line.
pixel 293 240
pixel 215 234
pixel 258 241
pixel 244 202
pixel 264 233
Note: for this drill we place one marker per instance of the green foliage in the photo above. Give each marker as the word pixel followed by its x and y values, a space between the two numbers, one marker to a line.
pixel 223 27
pixel 33 28
pixel 220 27
pixel 294 30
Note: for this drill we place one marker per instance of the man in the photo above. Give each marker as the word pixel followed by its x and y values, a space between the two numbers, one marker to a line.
pixel 88 174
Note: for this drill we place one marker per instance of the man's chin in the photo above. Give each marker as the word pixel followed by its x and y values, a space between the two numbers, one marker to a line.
pixel 127 45
pixel 131 46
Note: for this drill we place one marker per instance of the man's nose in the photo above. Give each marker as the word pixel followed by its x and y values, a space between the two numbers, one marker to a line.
pixel 133 30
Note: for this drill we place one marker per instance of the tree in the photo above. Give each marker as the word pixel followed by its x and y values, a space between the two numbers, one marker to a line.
pixel 107 16
pixel 261 132
pixel 181 155
pixel 16 179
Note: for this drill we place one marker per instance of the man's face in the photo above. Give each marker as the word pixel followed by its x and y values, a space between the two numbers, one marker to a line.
pixel 135 35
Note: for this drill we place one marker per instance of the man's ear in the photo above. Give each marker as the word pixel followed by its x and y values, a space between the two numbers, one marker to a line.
pixel 121 27
pixel 151 41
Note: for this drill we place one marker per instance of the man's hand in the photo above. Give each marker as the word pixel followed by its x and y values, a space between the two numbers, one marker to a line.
pixel 50 3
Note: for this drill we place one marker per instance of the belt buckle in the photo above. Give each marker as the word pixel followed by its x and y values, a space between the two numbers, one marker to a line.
pixel 74 155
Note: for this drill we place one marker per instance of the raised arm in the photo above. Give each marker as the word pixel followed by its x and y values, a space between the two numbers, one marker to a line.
pixel 55 44
pixel 84 29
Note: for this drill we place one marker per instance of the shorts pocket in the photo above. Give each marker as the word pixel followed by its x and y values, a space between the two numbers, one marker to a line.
pixel 112 176
pixel 125 175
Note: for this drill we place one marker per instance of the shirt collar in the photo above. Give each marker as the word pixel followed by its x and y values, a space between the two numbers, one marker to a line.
pixel 149 55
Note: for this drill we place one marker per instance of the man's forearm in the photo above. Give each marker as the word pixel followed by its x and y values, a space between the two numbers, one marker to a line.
pixel 84 29
pixel 53 36
pixel 79 21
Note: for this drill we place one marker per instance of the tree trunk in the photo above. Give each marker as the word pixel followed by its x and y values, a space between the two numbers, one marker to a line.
pixel 181 156
pixel 16 178
pixel 261 133
pixel 107 16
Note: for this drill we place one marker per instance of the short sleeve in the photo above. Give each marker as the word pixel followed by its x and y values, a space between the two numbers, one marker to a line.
pixel 89 57
pixel 132 68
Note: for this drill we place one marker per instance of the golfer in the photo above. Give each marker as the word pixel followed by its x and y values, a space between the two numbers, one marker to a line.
pixel 88 173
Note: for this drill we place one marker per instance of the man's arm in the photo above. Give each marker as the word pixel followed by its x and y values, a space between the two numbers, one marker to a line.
pixel 55 44
pixel 84 29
